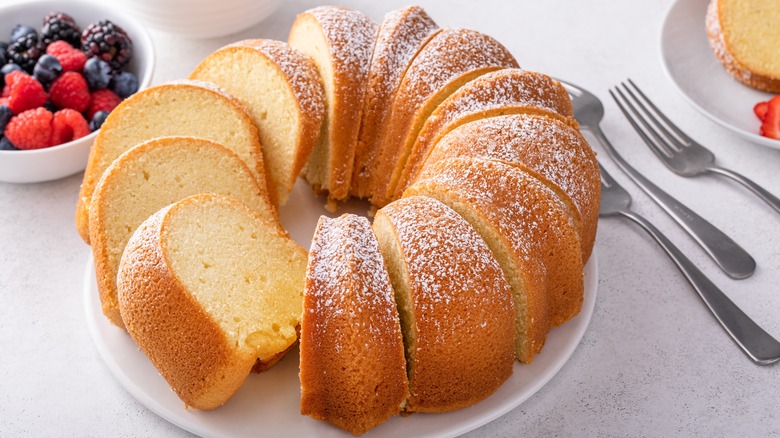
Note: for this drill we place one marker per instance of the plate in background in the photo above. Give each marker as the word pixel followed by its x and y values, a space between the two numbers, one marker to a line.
pixel 691 65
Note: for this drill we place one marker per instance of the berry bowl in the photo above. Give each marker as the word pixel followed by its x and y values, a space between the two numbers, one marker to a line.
pixel 55 162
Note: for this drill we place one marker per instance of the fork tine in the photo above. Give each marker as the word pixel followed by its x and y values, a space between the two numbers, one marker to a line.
pixel 659 149
pixel 676 142
pixel 668 122
pixel 669 148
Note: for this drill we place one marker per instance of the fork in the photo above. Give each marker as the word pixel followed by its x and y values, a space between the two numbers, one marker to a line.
pixel 680 153
pixel 726 253
pixel 759 345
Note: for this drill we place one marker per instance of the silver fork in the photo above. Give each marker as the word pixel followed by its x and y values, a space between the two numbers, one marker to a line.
pixel 680 153
pixel 759 345
pixel 726 253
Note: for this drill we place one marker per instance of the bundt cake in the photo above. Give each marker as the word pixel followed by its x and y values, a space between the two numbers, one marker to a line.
pixel 455 305
pixel 423 311
pixel 149 177
pixel 741 36
pixel 401 35
pixel 553 149
pixel 352 366
pixel 206 288
pixel 187 108
pixel 281 88
pixel 340 42
pixel 528 229
pixel 449 59
pixel 506 91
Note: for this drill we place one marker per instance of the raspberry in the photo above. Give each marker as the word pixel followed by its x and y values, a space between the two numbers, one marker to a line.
pixel 25 92
pixel 102 100
pixel 30 129
pixel 67 125
pixel 70 91
pixel 70 58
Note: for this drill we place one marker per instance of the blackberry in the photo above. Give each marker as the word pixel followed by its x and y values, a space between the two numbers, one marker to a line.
pixel 60 26
pixel 108 42
pixel 25 51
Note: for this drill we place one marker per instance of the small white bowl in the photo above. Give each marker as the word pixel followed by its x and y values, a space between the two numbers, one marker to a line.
pixel 66 159
pixel 200 18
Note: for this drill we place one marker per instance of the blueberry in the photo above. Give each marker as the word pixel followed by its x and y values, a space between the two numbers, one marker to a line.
pixel 97 73
pixel 21 31
pixel 97 120
pixel 50 107
pixel 6 145
pixel 8 68
pixel 124 84
pixel 47 69
pixel 5 116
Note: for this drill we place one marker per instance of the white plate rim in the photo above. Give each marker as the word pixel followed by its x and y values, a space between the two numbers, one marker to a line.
pixel 574 330
pixel 668 71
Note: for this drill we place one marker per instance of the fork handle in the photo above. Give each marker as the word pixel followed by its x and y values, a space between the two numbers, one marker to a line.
pixel 762 193
pixel 727 254
pixel 759 345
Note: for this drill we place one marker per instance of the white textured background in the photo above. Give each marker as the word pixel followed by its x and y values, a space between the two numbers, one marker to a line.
pixel 653 362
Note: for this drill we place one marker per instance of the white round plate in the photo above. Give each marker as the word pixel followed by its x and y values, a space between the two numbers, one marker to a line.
pixel 269 403
pixel 702 80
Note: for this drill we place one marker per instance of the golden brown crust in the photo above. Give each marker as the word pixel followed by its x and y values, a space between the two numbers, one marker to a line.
pixel 528 221
pixel 303 82
pixel 401 35
pixel 350 36
pixel 352 366
pixel 506 91
pixel 449 59
pixel 123 168
pixel 183 342
pixel 720 44
pixel 100 157
pixel 555 150
pixel 458 300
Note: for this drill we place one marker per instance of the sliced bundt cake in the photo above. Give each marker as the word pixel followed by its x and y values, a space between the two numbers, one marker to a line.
pixel 353 371
pixel 185 108
pixel 401 35
pixel 455 305
pixel 506 91
pixel 529 230
pixel 340 42
pixel 206 288
pixel 551 148
pixel 446 62
pixel 149 177
pixel 281 88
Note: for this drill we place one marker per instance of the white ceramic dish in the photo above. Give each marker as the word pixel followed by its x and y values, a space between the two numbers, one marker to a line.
pixel 201 18
pixel 69 158
pixel 270 402
pixel 702 80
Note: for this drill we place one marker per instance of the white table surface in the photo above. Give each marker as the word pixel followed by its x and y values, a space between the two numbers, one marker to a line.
pixel 653 362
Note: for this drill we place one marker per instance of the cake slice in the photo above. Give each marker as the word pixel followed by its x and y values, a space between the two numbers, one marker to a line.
pixel 449 59
pixel 281 88
pixel 182 108
pixel 455 304
pixel 353 371
pixel 743 37
pixel 549 147
pixel 401 35
pixel 340 42
pixel 530 232
pixel 207 287
pixel 507 91
pixel 151 176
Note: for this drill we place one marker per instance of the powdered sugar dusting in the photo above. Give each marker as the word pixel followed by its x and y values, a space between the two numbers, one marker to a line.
pixel 350 35
pixel 347 286
pixel 299 71
pixel 450 269
pixel 449 54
